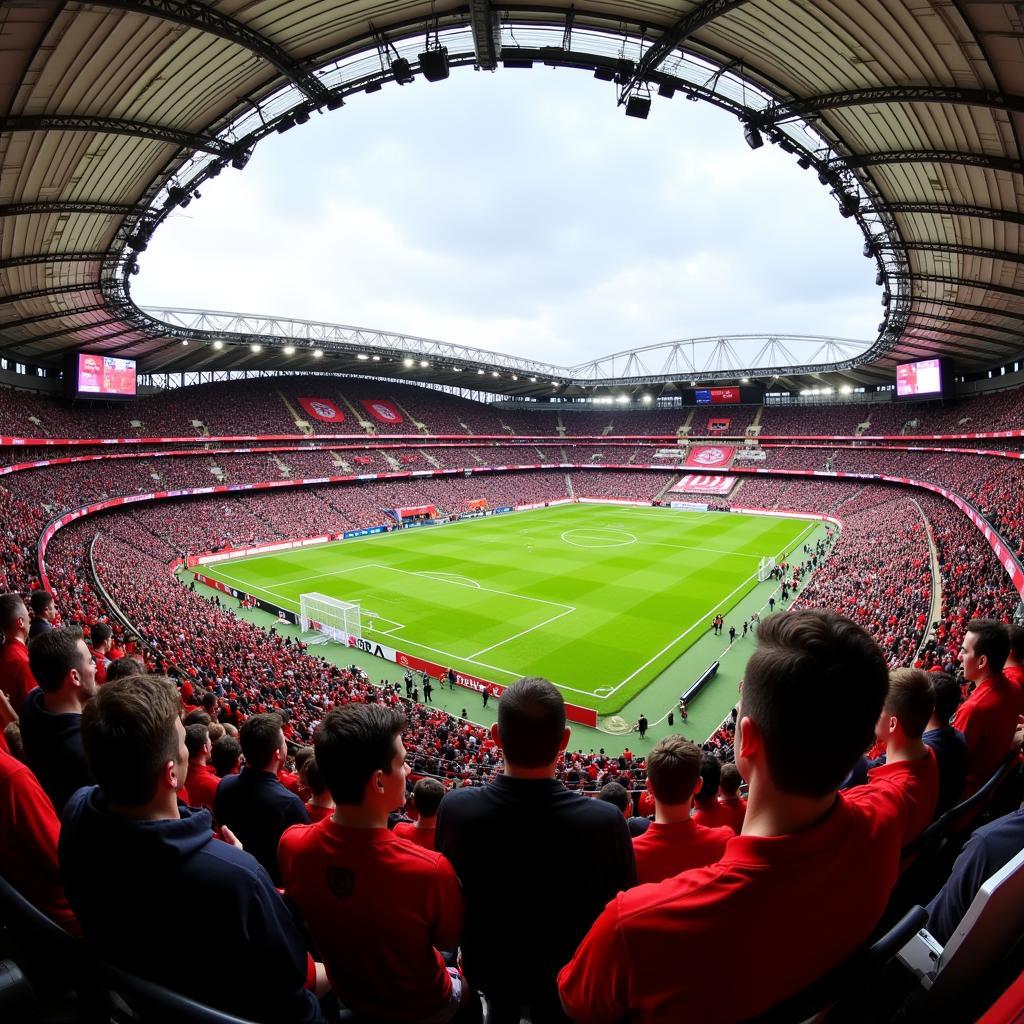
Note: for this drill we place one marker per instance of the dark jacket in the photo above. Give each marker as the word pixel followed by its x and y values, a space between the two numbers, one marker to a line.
pixel 53 749
pixel 562 858
pixel 145 890
pixel 258 808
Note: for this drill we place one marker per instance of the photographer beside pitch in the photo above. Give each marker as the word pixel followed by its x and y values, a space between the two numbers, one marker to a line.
pixel 807 880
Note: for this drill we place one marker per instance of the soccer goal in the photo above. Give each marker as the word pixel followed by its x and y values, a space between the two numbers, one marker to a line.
pixel 765 568
pixel 336 619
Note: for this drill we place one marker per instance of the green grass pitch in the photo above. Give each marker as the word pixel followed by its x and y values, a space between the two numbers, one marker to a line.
pixel 598 598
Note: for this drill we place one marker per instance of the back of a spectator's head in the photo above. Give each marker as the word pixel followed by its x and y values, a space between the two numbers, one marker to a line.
pixel 15 744
pixel 1016 634
pixel 427 795
pixel 216 730
pixel 209 703
pixel 302 756
pixel 197 717
pixel 261 739
pixel 99 634
pixel 730 781
pixel 710 778
pixel 41 602
pixel 13 614
pixel 196 738
pixel 616 794
pixel 358 744
pixel 813 691
pixel 225 755
pixel 991 640
pixel 910 700
pixel 123 668
pixel 59 655
pixel 531 723
pixel 948 695
pixel 312 777
pixel 131 733
pixel 673 767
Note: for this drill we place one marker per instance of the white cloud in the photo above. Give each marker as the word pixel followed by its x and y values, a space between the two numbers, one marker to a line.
pixel 522 213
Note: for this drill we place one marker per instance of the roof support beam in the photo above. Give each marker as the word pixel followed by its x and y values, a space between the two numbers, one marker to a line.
pixel 34 339
pixel 53 257
pixel 45 293
pixel 957 250
pixel 962 322
pixel 115 126
pixel 33 209
pixel 891 94
pixel 57 313
pixel 956 282
pixel 203 17
pixel 696 19
pixel 483 20
pixel 968 307
pixel 928 156
pixel 985 343
pixel 961 346
pixel 951 210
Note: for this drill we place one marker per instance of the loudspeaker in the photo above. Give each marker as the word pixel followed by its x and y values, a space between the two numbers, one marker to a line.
pixel 638 106
pixel 434 64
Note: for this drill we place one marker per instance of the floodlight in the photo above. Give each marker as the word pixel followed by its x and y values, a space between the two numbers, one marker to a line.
pixel 362 355
pixel 335 102
pixel 402 71
pixel 256 348
pixel 289 350
pixel 407 362
pixel 604 74
pixel 423 362
pixel 317 353
pixel 218 344
pixel 301 116
pixel 752 135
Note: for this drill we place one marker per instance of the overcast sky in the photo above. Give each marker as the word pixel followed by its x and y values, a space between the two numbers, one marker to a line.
pixel 520 211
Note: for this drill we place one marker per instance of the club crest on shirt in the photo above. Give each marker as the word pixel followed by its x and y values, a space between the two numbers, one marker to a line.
pixel 341 882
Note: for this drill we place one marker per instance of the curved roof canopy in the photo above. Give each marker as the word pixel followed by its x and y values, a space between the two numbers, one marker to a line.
pixel 115 111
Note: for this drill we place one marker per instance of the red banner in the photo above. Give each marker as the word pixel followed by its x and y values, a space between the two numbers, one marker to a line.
pixel 710 456
pixel 381 410
pixel 322 409
pixel 704 483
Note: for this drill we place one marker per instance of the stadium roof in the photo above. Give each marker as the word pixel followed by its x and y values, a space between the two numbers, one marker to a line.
pixel 116 111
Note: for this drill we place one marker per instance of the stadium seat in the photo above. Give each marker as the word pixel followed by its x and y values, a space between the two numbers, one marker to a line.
pixel 837 996
pixel 17 1000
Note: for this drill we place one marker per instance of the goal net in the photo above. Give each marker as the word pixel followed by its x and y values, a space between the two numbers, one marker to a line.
pixel 765 568
pixel 335 619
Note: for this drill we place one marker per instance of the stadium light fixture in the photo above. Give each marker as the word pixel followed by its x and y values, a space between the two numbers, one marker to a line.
pixel 376 359
pixel 423 362
pixel 218 344
pixel 622 399
pixel 533 380
pixel 289 350
pixel 317 353
pixel 256 348
pixel 494 373
pixel 646 399
pixel 744 380
pixel 515 376
pixel 184 342
pixel 479 373
pixel 846 390
pixel 407 362
pixel 752 135
pixel 457 369
pixel 363 356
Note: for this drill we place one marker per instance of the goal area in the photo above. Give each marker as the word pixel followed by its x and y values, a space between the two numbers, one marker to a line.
pixel 765 568
pixel 336 619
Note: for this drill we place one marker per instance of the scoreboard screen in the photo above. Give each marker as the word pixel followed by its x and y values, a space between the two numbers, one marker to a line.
pixel 100 376
pixel 922 379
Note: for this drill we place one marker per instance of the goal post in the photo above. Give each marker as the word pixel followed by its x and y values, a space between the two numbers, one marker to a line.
pixel 334 618
pixel 765 568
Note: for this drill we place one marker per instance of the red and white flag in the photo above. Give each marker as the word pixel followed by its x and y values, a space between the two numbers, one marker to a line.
pixel 382 411
pixel 710 456
pixel 322 409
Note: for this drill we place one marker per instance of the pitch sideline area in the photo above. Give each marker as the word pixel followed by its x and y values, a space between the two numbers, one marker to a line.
pixel 599 598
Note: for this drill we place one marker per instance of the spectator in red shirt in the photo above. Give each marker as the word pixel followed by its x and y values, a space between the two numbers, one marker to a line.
pixel 908 708
pixel 320 805
pixel 427 795
pixel 16 679
pixel 707 810
pixel 730 799
pixel 675 841
pixel 379 908
pixel 29 829
pixel 806 882
pixel 988 718
pixel 101 640
pixel 1014 667
pixel 201 780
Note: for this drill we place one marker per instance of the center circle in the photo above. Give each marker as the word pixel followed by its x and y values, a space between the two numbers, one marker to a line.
pixel 600 537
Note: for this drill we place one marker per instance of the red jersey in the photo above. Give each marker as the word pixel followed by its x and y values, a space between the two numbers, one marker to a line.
pixel 719 815
pixel 415 834
pixel 379 909
pixel 737 811
pixel 202 782
pixel 666 849
pixel 789 908
pixel 16 679
pixel 1015 673
pixel 988 720
pixel 923 774
pixel 29 829
pixel 317 812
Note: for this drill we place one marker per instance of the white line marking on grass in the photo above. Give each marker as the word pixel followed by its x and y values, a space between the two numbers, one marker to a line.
pixel 449 577
pixel 598 533
pixel 508 640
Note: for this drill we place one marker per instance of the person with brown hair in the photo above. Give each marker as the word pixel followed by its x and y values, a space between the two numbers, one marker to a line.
pixel 427 795
pixel 806 882
pixel 675 841
pixel 128 852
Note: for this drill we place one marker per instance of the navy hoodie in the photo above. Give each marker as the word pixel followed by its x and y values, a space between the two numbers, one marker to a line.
pixel 146 891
